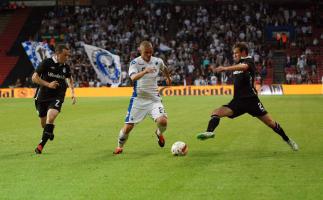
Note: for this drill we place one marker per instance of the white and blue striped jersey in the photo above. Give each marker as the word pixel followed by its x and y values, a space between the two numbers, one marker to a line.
pixel 146 87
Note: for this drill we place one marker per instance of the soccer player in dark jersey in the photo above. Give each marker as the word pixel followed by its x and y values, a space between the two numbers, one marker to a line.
pixel 245 99
pixel 52 75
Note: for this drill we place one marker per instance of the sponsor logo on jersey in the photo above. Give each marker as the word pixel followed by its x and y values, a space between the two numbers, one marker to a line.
pixel 51 74
pixel 237 72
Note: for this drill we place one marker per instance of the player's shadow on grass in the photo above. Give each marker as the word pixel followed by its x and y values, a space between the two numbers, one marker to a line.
pixel 245 154
pixel 16 155
pixel 108 157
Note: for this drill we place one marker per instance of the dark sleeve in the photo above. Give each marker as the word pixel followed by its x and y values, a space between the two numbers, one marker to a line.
pixel 42 67
pixel 68 72
pixel 251 64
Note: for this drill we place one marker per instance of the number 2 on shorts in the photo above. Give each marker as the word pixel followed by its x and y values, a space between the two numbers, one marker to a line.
pixel 57 103
pixel 261 107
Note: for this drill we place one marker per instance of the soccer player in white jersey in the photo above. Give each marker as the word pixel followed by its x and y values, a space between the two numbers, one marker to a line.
pixel 145 99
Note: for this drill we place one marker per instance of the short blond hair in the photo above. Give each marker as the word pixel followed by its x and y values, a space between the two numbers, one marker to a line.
pixel 145 44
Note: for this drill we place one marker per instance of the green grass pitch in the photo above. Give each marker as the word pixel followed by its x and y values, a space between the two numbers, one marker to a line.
pixel 246 160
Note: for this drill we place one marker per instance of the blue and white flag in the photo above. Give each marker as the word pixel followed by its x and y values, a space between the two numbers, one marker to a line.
pixel 106 65
pixel 37 52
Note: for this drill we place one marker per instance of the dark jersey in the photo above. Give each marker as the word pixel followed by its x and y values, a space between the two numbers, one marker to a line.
pixel 244 80
pixel 50 70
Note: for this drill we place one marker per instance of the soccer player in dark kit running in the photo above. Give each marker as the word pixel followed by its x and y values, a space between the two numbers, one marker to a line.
pixel 52 75
pixel 245 99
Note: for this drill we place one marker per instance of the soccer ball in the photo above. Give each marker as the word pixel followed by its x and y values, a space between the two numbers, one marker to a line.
pixel 179 148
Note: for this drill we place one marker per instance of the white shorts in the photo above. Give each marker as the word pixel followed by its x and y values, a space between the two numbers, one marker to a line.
pixel 139 108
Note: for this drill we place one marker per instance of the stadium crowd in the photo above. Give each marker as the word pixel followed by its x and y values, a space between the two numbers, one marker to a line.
pixel 190 38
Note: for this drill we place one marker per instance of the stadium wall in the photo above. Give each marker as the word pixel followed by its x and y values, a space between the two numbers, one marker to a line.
pixel 171 91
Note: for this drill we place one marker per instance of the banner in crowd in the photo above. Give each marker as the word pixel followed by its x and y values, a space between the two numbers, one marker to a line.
pixel 171 91
pixel 37 52
pixel 106 65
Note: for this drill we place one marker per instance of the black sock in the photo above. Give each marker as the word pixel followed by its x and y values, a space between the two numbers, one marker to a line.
pixel 280 132
pixel 213 123
pixel 49 128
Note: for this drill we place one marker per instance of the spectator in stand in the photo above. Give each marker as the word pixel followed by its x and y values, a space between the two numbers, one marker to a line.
pixel 258 79
pixel 176 78
pixel 28 83
pixel 52 42
pixel 288 61
pixel 213 80
pixel 279 40
pixel 256 58
pixel 13 5
pixel 18 83
pixel 315 42
pixel 298 78
pixel 284 39
pixel 301 63
pixel 263 74
pixel 304 76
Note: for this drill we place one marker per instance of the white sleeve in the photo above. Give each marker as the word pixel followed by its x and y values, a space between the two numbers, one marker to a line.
pixel 133 68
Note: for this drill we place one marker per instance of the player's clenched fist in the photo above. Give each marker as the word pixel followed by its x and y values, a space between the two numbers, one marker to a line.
pixel 149 70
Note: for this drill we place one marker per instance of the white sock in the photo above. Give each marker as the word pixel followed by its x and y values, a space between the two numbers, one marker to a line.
pixel 122 138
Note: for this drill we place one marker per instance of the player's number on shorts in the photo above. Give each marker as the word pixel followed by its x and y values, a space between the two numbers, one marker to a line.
pixel 261 107
pixel 57 103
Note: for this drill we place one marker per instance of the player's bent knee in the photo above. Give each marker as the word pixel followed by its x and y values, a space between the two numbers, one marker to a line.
pixel 216 112
pixel 222 112
pixel 272 124
pixel 162 121
pixel 268 121
pixel 127 128
pixel 51 119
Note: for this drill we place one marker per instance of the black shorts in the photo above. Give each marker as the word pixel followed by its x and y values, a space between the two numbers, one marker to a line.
pixel 252 106
pixel 43 106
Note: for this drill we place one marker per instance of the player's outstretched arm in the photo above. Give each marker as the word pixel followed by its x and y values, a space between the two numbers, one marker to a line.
pixel 238 67
pixel 36 79
pixel 70 83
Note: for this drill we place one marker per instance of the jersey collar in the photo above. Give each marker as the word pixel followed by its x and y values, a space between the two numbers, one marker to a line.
pixel 146 61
